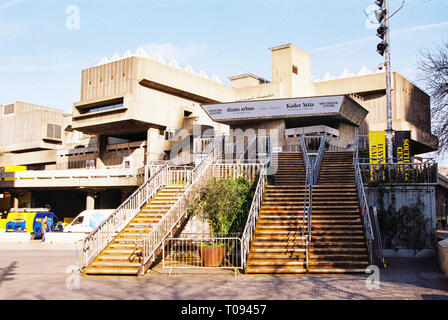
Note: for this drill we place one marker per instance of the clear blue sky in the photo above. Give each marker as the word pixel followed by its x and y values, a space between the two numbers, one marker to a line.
pixel 41 59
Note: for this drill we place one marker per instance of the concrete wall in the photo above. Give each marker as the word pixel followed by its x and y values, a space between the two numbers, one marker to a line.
pixel 26 128
pixel 400 196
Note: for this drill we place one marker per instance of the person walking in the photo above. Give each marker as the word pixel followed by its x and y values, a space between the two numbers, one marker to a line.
pixel 44 227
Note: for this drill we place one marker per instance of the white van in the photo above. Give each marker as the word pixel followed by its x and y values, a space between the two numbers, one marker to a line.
pixel 88 220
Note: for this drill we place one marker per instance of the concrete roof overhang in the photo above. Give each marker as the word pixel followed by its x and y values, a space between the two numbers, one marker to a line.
pixel 341 108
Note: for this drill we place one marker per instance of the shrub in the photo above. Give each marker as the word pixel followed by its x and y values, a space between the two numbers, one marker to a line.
pixel 225 204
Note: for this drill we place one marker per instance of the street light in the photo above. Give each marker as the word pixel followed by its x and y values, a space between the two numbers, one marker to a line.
pixel 383 48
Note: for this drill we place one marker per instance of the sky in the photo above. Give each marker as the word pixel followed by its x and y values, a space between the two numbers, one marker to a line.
pixel 46 43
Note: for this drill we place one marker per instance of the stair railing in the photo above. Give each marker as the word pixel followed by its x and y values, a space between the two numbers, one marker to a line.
pixel 254 212
pixel 99 238
pixel 306 160
pixel 370 237
pixel 307 198
pixel 150 243
pixel 319 158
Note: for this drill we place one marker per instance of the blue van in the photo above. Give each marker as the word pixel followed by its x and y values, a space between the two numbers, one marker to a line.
pixel 37 224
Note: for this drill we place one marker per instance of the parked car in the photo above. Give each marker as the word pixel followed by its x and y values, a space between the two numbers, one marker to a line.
pixel 88 220
pixel 16 225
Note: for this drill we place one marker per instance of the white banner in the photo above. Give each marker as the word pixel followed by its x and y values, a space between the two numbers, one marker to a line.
pixel 274 108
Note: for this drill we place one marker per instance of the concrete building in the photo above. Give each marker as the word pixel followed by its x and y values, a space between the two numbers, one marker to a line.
pixel 134 110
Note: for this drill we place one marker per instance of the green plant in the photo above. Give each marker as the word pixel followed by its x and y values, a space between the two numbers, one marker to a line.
pixel 406 228
pixel 225 204
pixel 206 244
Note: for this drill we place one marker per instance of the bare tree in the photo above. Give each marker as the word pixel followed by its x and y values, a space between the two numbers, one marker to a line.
pixel 433 71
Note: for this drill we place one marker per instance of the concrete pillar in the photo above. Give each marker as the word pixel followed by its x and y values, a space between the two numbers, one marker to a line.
pixel 90 201
pixel 153 145
pixel 102 150
pixel 15 201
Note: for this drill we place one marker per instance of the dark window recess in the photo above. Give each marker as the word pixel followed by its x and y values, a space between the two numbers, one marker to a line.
pixel 295 70
pixel 106 106
pixel 8 109
pixel 110 107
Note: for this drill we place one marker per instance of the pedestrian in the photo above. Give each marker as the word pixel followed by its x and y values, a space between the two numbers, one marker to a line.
pixel 44 227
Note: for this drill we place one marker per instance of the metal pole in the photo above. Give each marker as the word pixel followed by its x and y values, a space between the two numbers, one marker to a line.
pixel 389 131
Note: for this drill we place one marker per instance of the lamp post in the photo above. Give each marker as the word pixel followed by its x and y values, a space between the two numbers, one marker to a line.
pixel 383 48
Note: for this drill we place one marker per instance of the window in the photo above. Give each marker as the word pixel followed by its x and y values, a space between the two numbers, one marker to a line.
pixel 9 109
pixel 295 70
pixel 169 135
pixel 77 221
pixel 54 131
pixel 104 108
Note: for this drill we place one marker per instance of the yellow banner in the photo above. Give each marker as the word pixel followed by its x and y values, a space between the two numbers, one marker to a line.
pixel 377 142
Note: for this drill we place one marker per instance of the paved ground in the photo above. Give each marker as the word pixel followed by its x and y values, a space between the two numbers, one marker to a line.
pixel 35 271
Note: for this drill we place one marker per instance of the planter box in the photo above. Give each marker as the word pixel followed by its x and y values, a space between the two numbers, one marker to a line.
pixel 212 256
pixel 443 256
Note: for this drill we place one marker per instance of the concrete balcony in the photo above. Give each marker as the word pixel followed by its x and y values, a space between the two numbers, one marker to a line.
pixel 84 178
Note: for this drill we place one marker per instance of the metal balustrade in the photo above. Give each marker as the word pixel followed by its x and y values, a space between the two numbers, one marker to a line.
pixel 191 181
pixel 319 158
pixel 254 213
pixel 364 206
pixel 406 173
pixel 209 251
pixel 150 243
pixel 308 198
pixel 99 238
pixel 235 170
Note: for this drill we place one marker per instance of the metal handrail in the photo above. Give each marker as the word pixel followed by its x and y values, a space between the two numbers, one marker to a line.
pixel 308 199
pixel 257 201
pixel 163 227
pixel 99 238
pixel 319 158
pixel 370 237
pixel 254 212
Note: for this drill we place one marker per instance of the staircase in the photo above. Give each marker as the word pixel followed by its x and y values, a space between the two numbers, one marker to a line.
pixel 338 240
pixel 278 245
pixel 120 256
pixel 290 169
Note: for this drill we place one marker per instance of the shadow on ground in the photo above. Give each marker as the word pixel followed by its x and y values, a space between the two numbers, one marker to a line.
pixel 7 274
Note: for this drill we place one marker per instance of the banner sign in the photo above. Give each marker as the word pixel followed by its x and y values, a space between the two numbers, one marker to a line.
pixel 402 152
pixel 377 146
pixel 377 142
pixel 274 108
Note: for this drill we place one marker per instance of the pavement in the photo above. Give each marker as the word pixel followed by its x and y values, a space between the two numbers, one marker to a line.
pixel 36 271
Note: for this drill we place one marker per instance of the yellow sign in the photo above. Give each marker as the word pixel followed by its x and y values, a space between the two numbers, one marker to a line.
pixel 9 168
pixel 377 142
